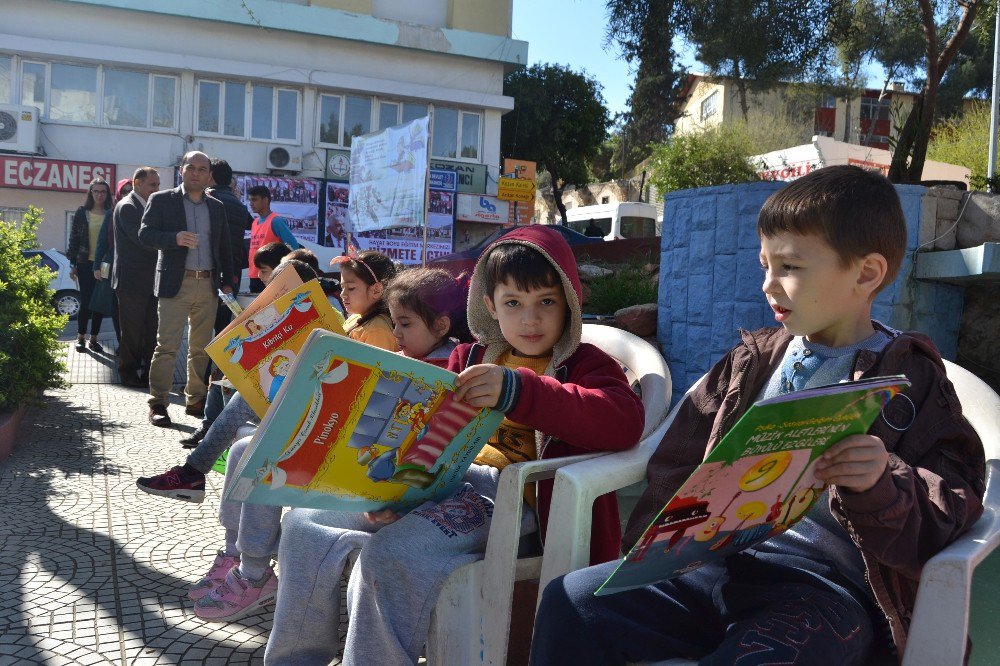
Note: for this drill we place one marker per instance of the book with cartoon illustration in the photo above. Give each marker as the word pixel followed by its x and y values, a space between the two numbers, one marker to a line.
pixel 258 347
pixel 358 428
pixel 758 481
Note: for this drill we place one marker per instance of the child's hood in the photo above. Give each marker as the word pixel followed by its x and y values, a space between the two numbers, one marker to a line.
pixel 553 247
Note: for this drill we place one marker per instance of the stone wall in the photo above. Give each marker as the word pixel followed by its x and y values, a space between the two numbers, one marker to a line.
pixel 710 279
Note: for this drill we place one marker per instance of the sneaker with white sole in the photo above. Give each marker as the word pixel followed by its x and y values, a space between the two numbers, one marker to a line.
pixel 237 597
pixel 213 579
pixel 182 482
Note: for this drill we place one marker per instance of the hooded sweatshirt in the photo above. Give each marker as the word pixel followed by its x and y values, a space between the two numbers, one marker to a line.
pixel 580 380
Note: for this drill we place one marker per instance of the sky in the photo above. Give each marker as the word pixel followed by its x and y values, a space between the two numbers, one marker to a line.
pixel 571 32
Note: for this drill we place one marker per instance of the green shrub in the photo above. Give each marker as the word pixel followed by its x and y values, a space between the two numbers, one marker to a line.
pixel 718 155
pixel 628 285
pixel 963 141
pixel 29 325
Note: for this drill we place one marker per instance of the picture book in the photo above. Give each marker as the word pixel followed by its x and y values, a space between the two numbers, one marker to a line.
pixel 358 428
pixel 758 481
pixel 256 350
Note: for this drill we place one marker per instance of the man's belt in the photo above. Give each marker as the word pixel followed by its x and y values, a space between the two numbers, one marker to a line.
pixel 197 274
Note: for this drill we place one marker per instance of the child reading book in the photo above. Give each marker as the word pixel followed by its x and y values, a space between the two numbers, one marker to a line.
pixel 524 306
pixel 241 579
pixel 840 585
pixel 363 278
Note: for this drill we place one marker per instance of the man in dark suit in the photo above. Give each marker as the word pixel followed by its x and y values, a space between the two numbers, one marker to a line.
pixel 190 230
pixel 132 279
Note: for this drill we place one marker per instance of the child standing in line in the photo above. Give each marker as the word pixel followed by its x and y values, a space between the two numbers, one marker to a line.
pixel 241 579
pixel 524 306
pixel 838 587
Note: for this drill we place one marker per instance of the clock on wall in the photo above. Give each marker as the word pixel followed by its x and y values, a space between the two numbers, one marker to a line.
pixel 339 166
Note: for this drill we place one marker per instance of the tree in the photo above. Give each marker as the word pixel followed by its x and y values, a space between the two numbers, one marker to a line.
pixel 559 120
pixel 756 43
pixel 960 140
pixel 718 155
pixel 643 31
pixel 940 51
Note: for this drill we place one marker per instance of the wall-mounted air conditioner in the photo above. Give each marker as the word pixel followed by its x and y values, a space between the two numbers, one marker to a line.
pixel 19 129
pixel 284 158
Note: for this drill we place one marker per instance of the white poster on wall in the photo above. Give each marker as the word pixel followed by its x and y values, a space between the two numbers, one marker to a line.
pixel 295 199
pixel 388 180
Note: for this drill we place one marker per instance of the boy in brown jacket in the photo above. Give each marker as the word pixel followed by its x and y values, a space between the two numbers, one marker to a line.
pixel 838 587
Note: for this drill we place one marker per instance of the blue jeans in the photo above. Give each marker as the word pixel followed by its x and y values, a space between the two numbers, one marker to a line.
pixel 220 435
pixel 741 611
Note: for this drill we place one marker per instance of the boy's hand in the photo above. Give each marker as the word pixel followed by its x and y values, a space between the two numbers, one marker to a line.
pixel 384 517
pixel 855 463
pixel 480 385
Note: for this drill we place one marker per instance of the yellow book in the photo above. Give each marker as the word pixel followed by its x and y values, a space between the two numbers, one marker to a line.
pixel 257 349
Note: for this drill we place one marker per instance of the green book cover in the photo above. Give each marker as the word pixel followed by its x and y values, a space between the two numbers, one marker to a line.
pixel 758 481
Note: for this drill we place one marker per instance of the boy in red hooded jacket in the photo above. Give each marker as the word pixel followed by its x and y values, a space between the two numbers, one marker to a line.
pixel 524 308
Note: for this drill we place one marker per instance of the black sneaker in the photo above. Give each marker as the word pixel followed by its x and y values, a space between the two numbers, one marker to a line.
pixel 95 346
pixel 181 482
pixel 192 440
pixel 80 344
pixel 158 416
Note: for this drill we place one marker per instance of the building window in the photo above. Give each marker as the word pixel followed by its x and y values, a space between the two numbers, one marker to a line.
pixel 273 112
pixel 5 84
pixel 12 215
pixel 456 134
pixel 92 94
pixel 413 111
pixel 73 93
pixel 388 114
pixel 828 102
pixel 872 108
pixel 34 76
pixel 329 119
pixel 710 105
pixel 357 118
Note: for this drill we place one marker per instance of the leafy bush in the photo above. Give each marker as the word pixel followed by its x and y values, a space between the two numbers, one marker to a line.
pixel 718 155
pixel 628 285
pixel 29 325
pixel 963 140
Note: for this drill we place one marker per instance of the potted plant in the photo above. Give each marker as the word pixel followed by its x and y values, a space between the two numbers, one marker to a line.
pixel 29 327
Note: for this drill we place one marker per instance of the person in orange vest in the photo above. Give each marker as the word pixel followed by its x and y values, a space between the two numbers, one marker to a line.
pixel 267 228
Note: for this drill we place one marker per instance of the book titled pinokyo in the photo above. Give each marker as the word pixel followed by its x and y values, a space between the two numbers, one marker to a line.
pixel 758 482
pixel 358 428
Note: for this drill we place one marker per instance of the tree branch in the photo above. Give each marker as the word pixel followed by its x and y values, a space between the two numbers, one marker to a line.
pixel 964 26
pixel 930 38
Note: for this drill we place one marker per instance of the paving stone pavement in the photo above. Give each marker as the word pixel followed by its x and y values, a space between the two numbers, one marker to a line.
pixel 92 571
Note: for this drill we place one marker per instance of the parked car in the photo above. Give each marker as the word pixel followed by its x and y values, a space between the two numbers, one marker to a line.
pixel 465 261
pixel 67 298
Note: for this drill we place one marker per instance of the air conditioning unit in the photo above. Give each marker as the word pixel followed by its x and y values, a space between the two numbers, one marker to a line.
pixel 19 129
pixel 284 158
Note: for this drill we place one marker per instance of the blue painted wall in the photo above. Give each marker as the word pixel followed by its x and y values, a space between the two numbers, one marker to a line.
pixel 710 279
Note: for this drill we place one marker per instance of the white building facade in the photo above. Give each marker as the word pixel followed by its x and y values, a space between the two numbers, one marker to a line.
pixel 133 82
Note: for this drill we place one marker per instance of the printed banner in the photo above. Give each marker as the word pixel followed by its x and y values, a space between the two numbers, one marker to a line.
pixel 295 199
pixel 388 178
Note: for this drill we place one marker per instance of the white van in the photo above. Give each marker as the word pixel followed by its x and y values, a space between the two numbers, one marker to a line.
pixel 628 219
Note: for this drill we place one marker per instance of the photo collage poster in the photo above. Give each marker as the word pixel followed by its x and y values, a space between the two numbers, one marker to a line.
pixel 294 199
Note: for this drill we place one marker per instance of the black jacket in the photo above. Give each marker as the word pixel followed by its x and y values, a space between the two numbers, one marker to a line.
pixel 163 219
pixel 239 220
pixel 135 263
pixel 79 237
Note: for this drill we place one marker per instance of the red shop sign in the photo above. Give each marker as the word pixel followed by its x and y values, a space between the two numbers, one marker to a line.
pixel 35 173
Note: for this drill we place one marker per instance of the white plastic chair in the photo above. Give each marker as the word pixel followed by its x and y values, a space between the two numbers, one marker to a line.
pixel 471 621
pixel 940 622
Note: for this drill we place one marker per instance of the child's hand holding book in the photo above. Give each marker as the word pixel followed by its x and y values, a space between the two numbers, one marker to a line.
pixel 855 463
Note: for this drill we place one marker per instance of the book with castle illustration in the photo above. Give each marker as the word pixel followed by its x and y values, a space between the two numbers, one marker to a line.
pixel 256 350
pixel 358 428
pixel 758 481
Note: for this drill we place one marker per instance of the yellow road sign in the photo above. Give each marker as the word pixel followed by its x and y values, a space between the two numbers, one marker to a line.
pixel 516 189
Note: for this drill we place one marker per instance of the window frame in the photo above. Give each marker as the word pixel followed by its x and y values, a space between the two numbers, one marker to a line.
pixel 248 92
pixel 458 134
pixel 713 97
pixel 17 91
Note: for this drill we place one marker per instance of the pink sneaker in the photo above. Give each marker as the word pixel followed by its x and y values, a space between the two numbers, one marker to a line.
pixel 220 567
pixel 236 597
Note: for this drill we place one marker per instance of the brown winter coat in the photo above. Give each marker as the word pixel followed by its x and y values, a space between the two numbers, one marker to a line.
pixel 930 493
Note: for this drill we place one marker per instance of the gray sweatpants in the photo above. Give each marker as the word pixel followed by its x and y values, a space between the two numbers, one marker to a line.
pixel 234 415
pixel 394 584
pixel 253 528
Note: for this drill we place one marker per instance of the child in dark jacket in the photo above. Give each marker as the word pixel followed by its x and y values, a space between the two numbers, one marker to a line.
pixel 838 587
pixel 529 276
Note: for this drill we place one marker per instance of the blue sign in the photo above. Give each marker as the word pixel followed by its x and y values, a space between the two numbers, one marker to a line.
pixel 445 180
